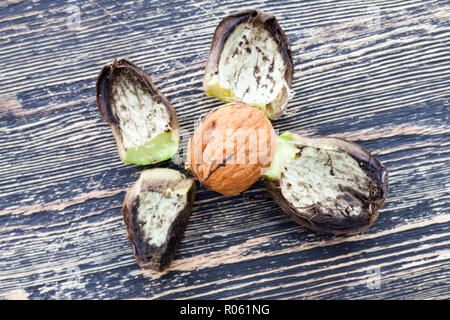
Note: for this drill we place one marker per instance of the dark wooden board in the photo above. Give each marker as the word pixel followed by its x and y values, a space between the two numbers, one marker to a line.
pixel 377 72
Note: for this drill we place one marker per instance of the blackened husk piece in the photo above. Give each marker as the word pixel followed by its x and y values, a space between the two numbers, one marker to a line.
pixel 143 121
pixel 250 61
pixel 327 184
pixel 156 211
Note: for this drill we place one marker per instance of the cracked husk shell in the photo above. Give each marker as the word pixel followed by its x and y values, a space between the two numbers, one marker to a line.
pixel 143 122
pixel 156 211
pixel 250 61
pixel 327 184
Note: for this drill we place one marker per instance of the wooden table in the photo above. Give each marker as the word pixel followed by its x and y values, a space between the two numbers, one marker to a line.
pixel 377 72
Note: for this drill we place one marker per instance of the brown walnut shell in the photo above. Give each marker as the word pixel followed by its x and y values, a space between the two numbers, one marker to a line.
pixel 327 184
pixel 156 211
pixel 231 148
pixel 143 122
pixel 250 60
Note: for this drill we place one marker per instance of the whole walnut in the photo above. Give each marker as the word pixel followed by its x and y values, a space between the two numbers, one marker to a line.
pixel 231 148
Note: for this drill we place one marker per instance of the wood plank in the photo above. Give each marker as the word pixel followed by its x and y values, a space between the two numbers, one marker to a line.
pixel 375 73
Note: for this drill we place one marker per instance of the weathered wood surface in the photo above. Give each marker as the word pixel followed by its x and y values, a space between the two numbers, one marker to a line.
pixel 377 72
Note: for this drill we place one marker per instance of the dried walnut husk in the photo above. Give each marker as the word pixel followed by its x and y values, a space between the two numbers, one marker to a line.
pixel 143 121
pixel 327 184
pixel 250 60
pixel 156 211
pixel 231 148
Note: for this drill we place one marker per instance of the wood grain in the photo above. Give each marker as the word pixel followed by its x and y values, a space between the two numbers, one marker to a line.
pixel 377 72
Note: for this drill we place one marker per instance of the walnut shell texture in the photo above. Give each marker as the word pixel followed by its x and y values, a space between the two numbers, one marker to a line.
pixel 156 211
pixel 231 148
pixel 250 60
pixel 138 114
pixel 327 184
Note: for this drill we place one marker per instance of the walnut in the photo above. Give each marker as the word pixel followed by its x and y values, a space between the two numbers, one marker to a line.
pixel 231 148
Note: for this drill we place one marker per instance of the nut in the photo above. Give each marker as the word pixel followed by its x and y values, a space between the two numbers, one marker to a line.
pixel 231 148
pixel 156 212
pixel 250 60
pixel 143 121
pixel 327 184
